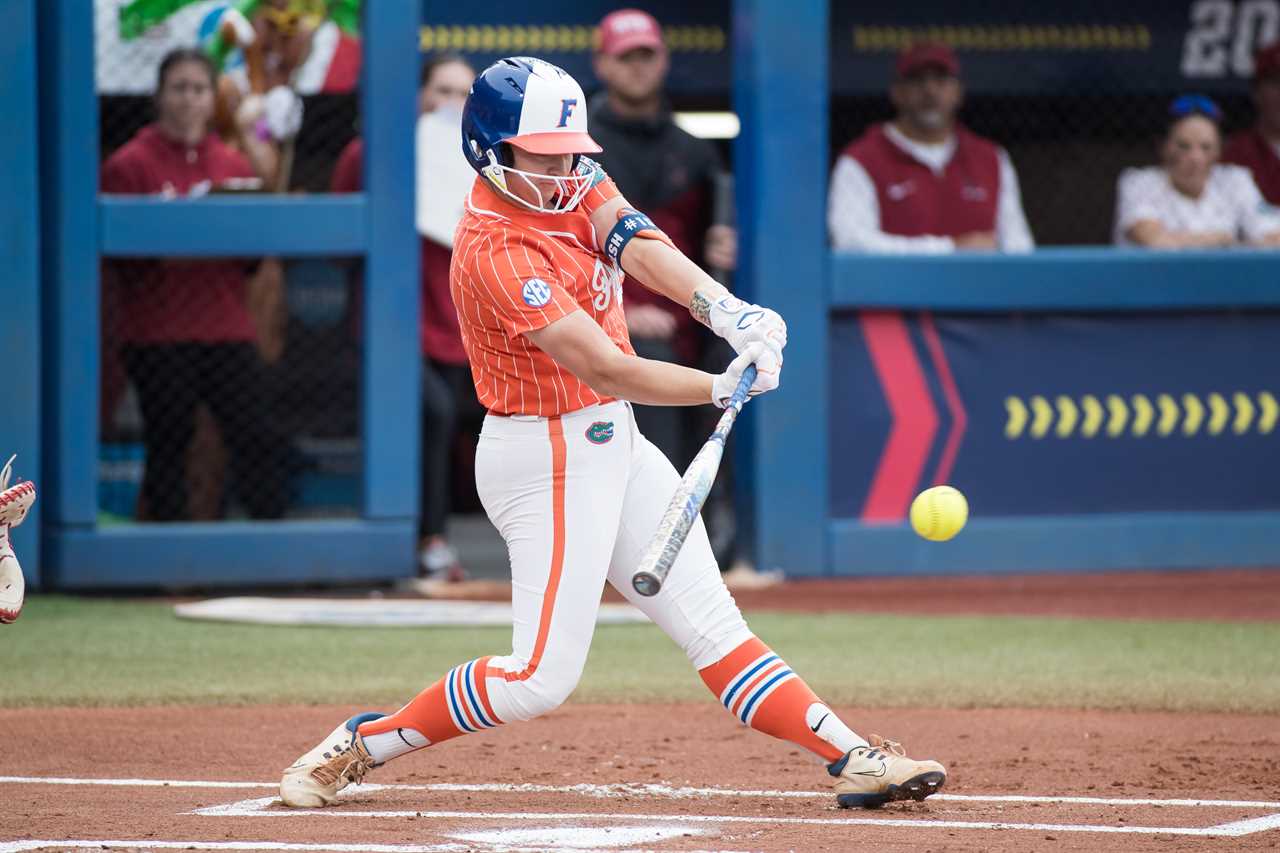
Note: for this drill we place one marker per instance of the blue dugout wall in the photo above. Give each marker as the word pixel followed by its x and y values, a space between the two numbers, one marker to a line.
pixel 20 430
pixel 900 371
pixel 1104 409
pixel 79 228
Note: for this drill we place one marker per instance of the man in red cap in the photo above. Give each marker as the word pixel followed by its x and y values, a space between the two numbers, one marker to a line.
pixel 923 182
pixel 1258 148
pixel 671 175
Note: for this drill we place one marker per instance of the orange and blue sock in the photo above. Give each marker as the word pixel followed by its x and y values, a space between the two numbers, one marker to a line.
pixel 756 686
pixel 455 705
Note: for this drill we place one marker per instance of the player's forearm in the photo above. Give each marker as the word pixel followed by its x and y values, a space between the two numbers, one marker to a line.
pixel 667 271
pixel 650 382
pixel 578 344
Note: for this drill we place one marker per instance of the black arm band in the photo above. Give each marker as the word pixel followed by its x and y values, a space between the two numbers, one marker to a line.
pixel 628 226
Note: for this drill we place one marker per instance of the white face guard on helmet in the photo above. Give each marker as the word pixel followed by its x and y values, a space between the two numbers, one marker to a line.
pixel 552 120
pixel 565 194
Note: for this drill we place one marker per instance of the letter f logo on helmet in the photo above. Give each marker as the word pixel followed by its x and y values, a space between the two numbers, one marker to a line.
pixel 566 110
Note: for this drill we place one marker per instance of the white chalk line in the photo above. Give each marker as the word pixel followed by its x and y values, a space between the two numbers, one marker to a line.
pixel 645 789
pixel 151 844
pixel 584 838
pixel 260 808
pixel 130 783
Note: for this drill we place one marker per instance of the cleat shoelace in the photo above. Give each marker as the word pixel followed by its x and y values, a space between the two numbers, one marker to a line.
pixel 883 748
pixel 350 762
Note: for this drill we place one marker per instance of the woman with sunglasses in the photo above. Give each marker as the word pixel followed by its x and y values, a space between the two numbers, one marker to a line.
pixel 1191 201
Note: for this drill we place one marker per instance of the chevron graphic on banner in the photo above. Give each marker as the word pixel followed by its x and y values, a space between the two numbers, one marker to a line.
pixel 1221 411
pixel 1244 413
pixel 1270 411
pixel 1036 417
pixel 925 424
pixel 1169 414
pixel 1195 414
pixel 1068 414
pixel 1119 415
pixel 1017 417
pixel 1092 415
pixel 1041 418
pixel 1143 414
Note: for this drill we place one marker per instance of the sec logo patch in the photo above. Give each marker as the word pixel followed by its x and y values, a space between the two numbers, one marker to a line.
pixel 536 293
pixel 600 432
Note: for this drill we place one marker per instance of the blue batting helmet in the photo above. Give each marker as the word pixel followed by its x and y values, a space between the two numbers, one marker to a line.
pixel 531 104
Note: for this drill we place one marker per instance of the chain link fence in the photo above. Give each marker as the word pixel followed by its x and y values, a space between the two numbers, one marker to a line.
pixel 1067 149
pixel 230 389
pixel 229 386
pixel 286 74
pixel 1076 93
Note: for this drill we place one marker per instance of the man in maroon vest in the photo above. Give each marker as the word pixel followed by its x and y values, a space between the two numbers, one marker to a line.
pixel 923 182
pixel 1258 148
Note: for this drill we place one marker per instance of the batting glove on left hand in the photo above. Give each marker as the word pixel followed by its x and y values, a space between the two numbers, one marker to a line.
pixel 726 383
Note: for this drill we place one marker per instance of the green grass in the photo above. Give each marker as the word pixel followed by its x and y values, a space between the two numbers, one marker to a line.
pixel 69 651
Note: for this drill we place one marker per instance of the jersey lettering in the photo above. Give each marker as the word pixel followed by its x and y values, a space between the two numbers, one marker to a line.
pixel 606 282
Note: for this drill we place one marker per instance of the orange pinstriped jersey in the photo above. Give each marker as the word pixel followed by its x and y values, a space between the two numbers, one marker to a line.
pixel 516 271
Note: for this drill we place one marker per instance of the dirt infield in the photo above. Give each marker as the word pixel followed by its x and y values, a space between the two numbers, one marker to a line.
pixel 685 777
pixel 617 777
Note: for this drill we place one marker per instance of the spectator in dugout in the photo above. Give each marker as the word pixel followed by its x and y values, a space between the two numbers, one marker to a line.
pixel 1191 201
pixel 672 176
pixel 668 174
pixel 1258 148
pixel 923 183
pixel 449 400
pixel 186 334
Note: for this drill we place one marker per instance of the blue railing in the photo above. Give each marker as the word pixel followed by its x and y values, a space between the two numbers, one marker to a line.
pixel 1061 279
pixel 79 228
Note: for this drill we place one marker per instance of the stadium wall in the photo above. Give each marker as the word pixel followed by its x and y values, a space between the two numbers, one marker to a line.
pixel 20 334
pixel 810 461
pixel 79 229
pixel 882 374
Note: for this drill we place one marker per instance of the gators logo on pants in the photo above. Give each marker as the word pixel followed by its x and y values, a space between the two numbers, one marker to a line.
pixel 600 432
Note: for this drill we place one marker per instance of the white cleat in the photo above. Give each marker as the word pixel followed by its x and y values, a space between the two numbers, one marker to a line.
pixel 315 779
pixel 15 501
pixel 870 776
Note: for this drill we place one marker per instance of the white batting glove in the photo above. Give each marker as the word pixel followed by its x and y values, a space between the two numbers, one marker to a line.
pixel 741 323
pixel 726 383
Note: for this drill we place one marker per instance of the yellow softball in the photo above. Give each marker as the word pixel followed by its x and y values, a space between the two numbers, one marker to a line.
pixel 939 513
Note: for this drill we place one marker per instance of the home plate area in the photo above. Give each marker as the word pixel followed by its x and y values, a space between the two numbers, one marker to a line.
pixel 639 777
pixel 651 816
pixel 627 815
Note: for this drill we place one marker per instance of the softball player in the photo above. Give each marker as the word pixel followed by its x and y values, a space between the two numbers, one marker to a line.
pixel 574 488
